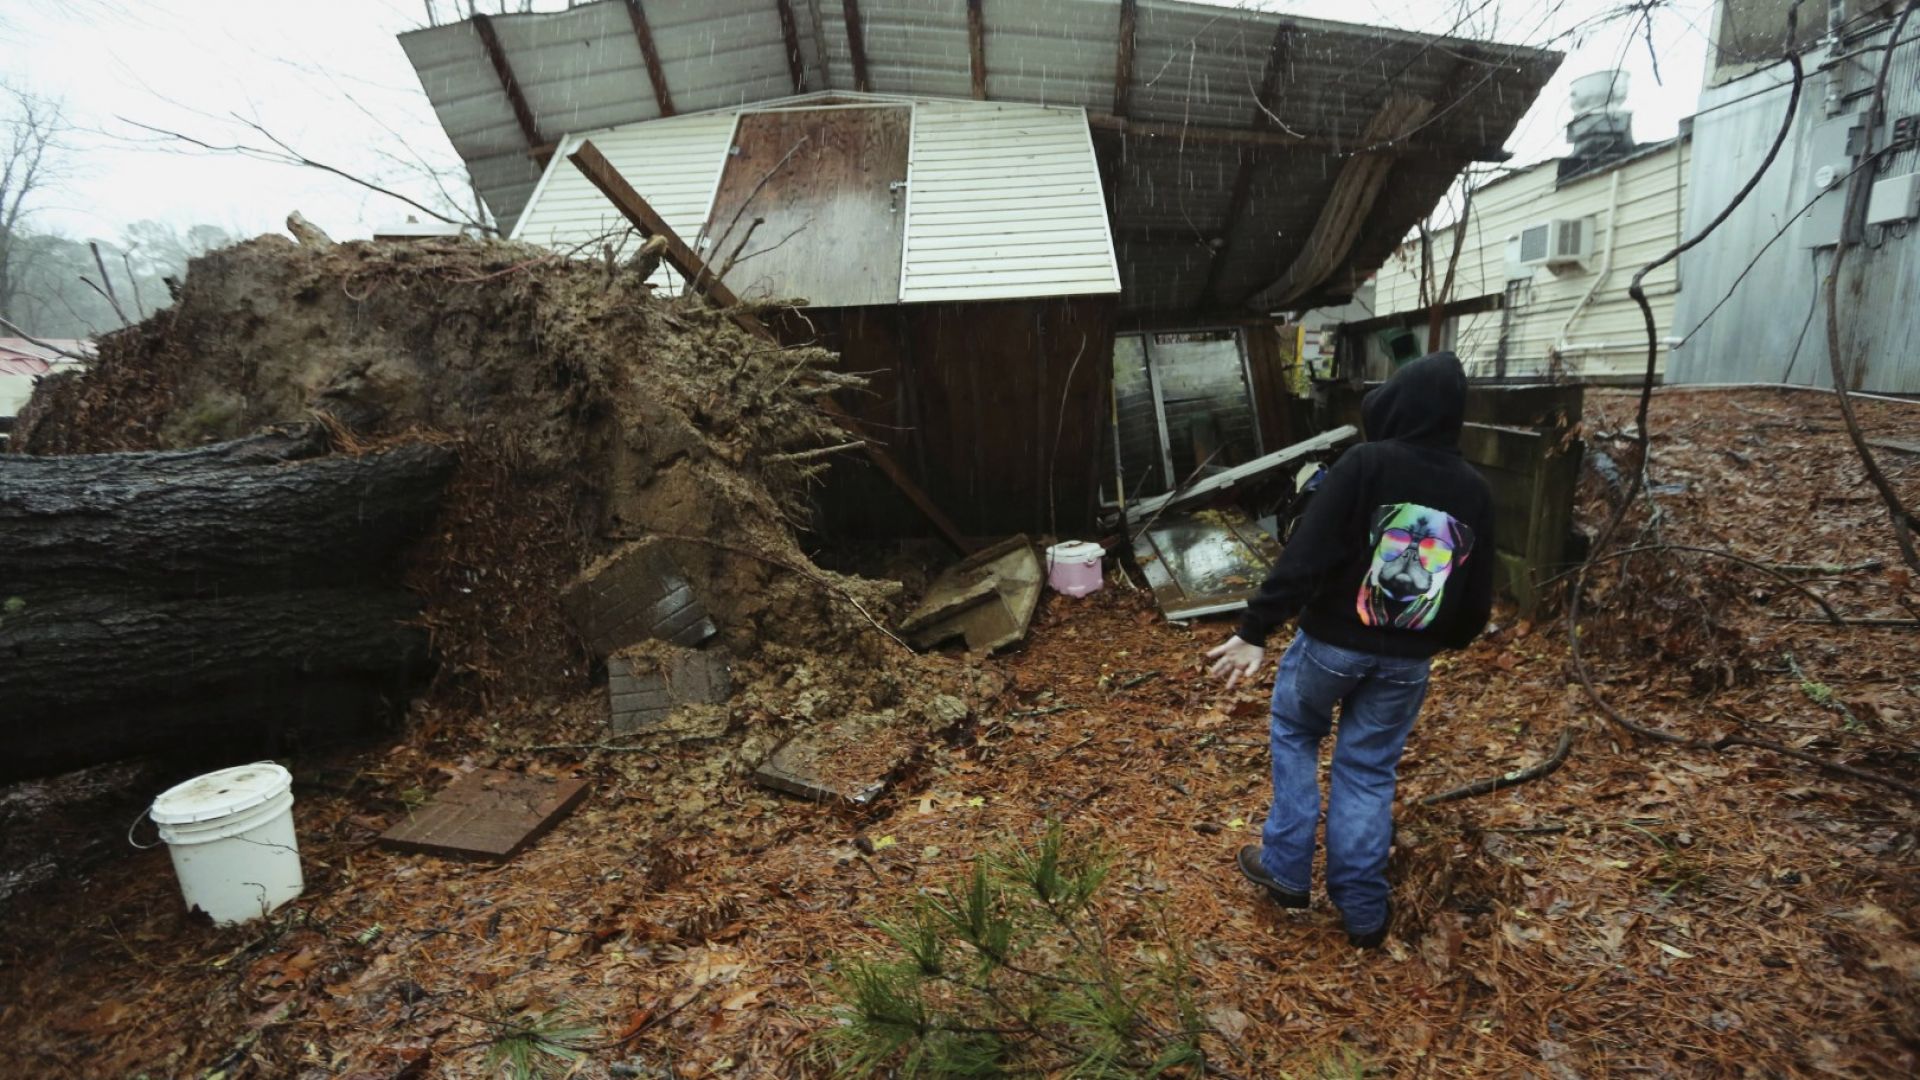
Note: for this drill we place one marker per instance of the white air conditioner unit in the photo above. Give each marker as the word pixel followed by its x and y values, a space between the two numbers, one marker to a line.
pixel 1559 242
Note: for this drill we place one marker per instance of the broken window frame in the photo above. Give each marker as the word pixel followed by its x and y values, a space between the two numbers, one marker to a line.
pixel 1237 334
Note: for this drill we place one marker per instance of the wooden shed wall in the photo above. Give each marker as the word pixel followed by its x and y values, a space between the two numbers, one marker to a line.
pixel 999 409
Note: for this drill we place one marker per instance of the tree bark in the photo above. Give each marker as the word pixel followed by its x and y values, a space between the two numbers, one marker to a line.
pixel 222 518
pixel 207 603
pixel 92 677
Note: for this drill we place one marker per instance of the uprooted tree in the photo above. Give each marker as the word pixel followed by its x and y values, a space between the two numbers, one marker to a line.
pixel 499 416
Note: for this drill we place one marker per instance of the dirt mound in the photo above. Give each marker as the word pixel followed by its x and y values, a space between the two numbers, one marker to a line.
pixel 586 409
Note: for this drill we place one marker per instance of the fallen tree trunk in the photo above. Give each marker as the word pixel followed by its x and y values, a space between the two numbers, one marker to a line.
pixel 292 442
pixel 90 678
pixel 224 517
pixel 208 602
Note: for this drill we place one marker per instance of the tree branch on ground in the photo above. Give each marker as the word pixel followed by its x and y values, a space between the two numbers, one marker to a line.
pixel 1547 767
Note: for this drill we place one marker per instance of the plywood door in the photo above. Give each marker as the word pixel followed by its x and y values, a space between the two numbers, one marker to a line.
pixel 820 183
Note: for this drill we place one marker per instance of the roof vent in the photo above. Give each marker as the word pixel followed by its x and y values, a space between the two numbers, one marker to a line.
pixel 1602 127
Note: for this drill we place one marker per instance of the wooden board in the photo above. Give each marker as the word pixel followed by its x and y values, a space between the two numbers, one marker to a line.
pixel 832 227
pixel 487 814
pixel 998 409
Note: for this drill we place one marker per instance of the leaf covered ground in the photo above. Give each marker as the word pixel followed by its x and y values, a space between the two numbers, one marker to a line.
pixel 1646 909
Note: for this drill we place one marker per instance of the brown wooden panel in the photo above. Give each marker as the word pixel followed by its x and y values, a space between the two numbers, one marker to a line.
pixel 974 399
pixel 1270 351
pixel 830 229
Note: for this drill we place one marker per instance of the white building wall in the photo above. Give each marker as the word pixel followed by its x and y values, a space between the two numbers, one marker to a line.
pixel 674 164
pixel 1607 339
pixel 1004 201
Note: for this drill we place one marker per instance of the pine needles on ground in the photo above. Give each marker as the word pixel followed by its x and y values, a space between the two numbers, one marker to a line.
pixel 1015 970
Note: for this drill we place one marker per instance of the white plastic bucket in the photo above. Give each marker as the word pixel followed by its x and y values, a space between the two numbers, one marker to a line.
pixel 1075 567
pixel 231 837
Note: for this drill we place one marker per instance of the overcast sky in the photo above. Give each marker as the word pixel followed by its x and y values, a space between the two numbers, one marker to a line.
pixel 330 79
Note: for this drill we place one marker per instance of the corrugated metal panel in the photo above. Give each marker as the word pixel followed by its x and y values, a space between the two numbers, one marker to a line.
pixel 1772 326
pixel 673 163
pixel 1004 201
pixel 1194 63
pixel 1608 339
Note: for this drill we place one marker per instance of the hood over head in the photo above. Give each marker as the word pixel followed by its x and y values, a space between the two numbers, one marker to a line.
pixel 1425 403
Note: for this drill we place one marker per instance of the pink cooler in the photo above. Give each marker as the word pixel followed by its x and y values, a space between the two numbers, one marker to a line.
pixel 1074 568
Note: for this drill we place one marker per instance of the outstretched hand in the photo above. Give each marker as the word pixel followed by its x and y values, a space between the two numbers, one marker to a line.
pixel 1236 660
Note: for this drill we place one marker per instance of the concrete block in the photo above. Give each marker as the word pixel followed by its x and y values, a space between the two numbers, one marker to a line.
pixel 645 686
pixel 636 595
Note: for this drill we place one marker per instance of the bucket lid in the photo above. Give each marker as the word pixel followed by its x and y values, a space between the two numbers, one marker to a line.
pixel 1075 551
pixel 220 794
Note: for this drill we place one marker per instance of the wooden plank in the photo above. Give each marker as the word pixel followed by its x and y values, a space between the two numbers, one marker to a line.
pixel 522 113
pixel 818 181
pixel 790 33
pixel 977 47
pixel 604 176
pixel 487 814
pixel 641 215
pixel 1107 126
pixel 1221 481
pixel 1123 60
pixel 857 45
pixel 643 33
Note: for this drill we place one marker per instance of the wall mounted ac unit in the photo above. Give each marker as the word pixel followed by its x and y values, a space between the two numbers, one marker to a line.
pixel 1558 242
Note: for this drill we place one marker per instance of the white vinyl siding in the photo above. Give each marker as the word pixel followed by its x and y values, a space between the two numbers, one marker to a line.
pixel 1003 201
pixel 1607 340
pixel 674 164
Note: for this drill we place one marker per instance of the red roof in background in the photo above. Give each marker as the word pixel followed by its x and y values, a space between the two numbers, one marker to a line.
pixel 18 356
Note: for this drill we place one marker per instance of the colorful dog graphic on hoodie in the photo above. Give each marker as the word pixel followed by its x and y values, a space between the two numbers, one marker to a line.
pixel 1415 549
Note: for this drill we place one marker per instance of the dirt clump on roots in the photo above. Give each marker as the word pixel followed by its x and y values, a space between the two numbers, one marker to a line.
pixel 588 410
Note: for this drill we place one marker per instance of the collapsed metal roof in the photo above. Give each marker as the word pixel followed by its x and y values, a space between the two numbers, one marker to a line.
pixel 1253 160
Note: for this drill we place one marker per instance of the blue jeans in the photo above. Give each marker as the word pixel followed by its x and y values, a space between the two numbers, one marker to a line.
pixel 1379 696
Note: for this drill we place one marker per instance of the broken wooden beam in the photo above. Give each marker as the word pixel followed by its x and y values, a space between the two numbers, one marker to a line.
pixel 977 47
pixel 857 45
pixel 1106 126
pixel 1123 60
pixel 790 35
pixel 1221 481
pixel 598 170
pixel 643 34
pixel 497 55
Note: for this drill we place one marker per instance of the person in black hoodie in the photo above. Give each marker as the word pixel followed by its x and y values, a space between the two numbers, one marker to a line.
pixel 1392 563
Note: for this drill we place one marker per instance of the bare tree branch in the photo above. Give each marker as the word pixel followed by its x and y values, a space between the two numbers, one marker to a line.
pixel 280 153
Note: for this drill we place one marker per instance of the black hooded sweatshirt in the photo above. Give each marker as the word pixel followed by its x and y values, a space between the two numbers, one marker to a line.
pixel 1395 553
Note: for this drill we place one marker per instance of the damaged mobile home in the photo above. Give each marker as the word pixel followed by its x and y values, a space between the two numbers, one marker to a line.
pixel 1053 232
